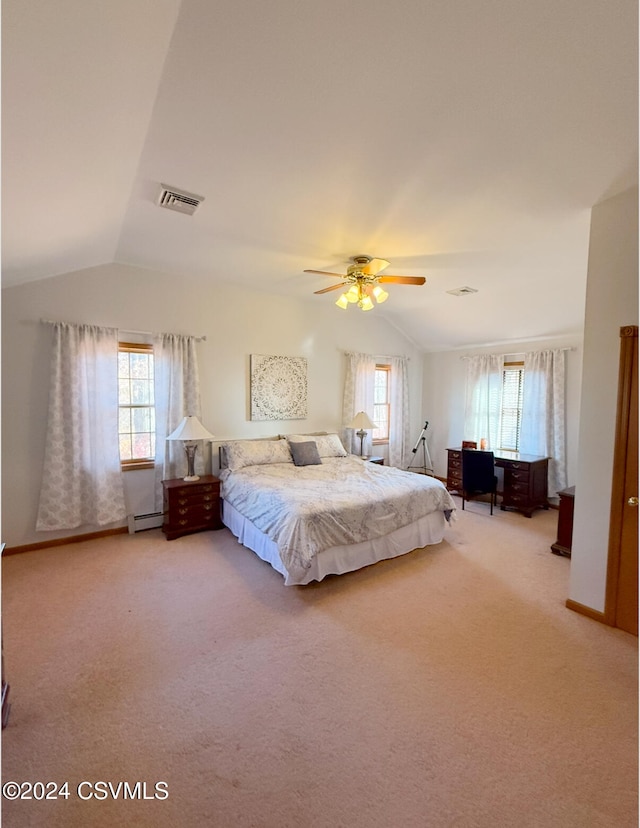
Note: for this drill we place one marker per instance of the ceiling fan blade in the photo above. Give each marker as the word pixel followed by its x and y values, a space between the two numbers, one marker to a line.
pixel 375 266
pixel 403 280
pixel 325 273
pixel 333 287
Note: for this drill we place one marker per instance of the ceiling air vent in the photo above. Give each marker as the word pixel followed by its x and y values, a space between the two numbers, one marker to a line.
pixel 462 291
pixel 179 200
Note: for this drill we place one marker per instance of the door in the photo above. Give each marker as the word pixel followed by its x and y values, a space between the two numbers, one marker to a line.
pixel 621 608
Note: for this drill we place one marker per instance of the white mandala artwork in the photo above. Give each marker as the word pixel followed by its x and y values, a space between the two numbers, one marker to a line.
pixel 278 387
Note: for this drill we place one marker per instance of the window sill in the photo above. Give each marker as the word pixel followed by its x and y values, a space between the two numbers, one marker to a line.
pixel 137 465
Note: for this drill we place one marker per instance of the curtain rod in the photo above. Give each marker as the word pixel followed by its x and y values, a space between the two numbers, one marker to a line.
pixel 126 330
pixel 509 353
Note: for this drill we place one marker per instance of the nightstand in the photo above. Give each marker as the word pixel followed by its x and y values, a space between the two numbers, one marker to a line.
pixel 374 459
pixel 191 506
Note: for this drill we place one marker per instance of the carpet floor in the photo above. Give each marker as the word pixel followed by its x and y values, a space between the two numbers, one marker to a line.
pixel 448 688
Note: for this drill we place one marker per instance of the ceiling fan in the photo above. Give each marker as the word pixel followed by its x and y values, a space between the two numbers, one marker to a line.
pixel 362 282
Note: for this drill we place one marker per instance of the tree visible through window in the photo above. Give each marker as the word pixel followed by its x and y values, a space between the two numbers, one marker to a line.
pixel 512 386
pixel 136 419
pixel 381 404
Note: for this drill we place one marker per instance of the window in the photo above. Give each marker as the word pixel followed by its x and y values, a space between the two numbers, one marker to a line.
pixel 381 404
pixel 512 385
pixel 136 414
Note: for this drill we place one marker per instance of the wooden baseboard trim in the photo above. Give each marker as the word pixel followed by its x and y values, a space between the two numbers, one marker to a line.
pixel 576 606
pixel 30 547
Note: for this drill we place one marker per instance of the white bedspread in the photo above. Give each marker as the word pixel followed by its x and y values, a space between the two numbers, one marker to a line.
pixel 305 509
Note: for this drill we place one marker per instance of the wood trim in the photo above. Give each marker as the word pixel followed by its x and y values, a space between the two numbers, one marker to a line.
pixel 30 547
pixel 576 606
pixel 627 335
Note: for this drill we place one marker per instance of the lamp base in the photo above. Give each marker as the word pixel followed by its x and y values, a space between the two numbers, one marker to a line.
pixel 191 478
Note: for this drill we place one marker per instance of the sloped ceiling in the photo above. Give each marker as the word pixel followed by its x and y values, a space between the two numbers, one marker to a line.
pixel 463 141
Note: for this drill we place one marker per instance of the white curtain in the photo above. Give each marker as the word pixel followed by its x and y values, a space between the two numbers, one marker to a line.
pixel 81 479
pixel 543 413
pixel 399 424
pixel 483 403
pixel 177 395
pixel 359 396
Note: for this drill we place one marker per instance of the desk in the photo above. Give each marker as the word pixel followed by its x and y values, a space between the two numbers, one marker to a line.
pixel 525 479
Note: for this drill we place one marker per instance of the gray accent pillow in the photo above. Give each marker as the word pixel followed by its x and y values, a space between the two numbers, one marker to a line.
pixel 305 454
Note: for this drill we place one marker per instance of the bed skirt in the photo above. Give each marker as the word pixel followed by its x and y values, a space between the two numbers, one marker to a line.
pixel 338 559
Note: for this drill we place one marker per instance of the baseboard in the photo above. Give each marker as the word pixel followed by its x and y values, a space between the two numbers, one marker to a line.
pixel 576 606
pixel 139 523
pixel 30 547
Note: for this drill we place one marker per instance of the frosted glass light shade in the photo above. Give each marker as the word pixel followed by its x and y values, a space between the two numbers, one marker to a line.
pixel 343 302
pixel 380 294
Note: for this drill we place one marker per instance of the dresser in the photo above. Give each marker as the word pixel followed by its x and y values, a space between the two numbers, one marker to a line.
pixel 525 479
pixel 191 506
pixel 562 546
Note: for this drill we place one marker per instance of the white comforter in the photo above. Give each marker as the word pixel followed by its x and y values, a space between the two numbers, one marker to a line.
pixel 305 509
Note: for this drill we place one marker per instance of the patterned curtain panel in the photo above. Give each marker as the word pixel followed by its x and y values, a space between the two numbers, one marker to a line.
pixel 399 424
pixel 359 396
pixel 177 393
pixel 82 481
pixel 543 413
pixel 483 401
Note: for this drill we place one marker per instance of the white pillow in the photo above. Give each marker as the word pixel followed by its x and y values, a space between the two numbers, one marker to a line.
pixel 241 453
pixel 329 445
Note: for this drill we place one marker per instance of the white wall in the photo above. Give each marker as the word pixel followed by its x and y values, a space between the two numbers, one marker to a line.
pixel 444 387
pixel 236 323
pixel 612 302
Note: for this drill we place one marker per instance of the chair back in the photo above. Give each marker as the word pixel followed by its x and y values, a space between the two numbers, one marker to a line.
pixel 478 473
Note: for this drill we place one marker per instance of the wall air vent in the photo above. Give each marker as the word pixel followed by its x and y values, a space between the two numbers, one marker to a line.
pixel 179 200
pixel 462 291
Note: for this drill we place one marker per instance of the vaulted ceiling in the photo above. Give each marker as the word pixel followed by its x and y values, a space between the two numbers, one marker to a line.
pixel 463 141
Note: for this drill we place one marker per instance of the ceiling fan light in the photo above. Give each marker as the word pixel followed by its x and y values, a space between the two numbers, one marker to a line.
pixel 353 294
pixel 366 304
pixel 343 301
pixel 380 294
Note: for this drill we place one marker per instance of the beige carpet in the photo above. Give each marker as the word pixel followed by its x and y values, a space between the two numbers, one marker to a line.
pixel 450 687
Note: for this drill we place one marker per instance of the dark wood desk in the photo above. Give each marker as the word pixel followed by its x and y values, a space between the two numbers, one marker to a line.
pixel 525 479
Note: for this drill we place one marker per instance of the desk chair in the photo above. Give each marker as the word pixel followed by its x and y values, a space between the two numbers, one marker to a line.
pixel 478 475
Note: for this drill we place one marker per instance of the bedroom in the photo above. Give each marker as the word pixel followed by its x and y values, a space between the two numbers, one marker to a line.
pixel 74 259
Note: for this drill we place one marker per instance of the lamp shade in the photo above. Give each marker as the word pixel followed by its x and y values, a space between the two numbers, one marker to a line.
pixel 362 421
pixel 190 429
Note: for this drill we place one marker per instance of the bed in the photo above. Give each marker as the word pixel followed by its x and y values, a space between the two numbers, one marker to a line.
pixel 310 509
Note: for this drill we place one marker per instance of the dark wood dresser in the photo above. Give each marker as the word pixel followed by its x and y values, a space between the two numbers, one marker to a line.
pixel 191 506
pixel 525 479
pixel 562 546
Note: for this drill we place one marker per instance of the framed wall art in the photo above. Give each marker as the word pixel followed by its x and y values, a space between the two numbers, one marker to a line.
pixel 278 387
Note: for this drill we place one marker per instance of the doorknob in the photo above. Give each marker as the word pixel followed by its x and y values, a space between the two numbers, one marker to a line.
pixel 633 501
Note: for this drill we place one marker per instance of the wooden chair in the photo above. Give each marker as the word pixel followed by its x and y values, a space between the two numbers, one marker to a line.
pixel 478 475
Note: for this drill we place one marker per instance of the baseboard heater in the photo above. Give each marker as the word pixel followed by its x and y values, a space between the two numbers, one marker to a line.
pixel 138 523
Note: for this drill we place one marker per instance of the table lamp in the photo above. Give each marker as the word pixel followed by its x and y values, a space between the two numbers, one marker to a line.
pixel 189 431
pixel 361 421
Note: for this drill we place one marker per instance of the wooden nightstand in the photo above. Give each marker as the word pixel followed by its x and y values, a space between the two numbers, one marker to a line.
pixel 191 506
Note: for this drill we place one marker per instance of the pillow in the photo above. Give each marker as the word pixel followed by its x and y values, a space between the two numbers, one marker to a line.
pixel 305 454
pixel 329 445
pixel 241 453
